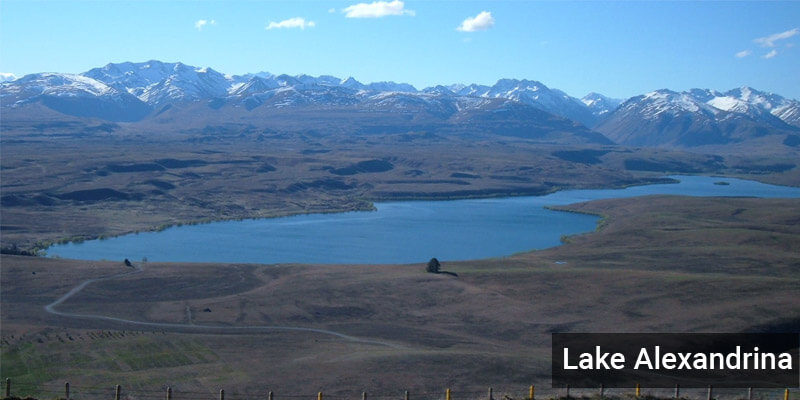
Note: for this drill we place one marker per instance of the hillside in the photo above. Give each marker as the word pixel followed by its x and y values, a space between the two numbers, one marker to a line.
pixel 174 96
pixel 658 264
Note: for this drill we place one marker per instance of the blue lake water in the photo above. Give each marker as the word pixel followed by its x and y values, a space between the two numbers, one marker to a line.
pixel 398 232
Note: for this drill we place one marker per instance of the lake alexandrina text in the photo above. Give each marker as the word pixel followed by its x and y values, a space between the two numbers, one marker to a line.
pixel 653 358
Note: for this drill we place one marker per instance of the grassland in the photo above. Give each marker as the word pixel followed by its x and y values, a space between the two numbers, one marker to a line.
pixel 66 180
pixel 657 264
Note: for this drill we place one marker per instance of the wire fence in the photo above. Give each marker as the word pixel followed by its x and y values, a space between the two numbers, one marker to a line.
pixel 67 391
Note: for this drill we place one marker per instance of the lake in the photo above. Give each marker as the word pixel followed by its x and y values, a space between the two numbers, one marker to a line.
pixel 398 232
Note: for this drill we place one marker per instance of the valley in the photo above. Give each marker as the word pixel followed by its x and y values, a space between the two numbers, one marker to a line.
pixel 135 147
pixel 657 264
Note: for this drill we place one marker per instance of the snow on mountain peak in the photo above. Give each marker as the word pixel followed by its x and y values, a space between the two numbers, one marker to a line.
pixel 7 77
pixel 158 83
pixel 57 84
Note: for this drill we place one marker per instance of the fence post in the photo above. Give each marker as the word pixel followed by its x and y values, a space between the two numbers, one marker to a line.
pixel 447 394
pixel 602 390
pixel 269 396
pixel 709 392
pixel 406 396
pixel 677 391
pixel 490 394
pixel 66 390
pixel 786 394
pixel 222 394
pixel 8 387
pixel 749 393
pixel 638 390
pixel 169 393
pixel 531 392
pixel 363 395
pixel 117 390
pixel 319 396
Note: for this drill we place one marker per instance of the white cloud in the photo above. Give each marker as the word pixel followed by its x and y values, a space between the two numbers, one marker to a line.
pixel 480 22
pixel 743 53
pixel 203 22
pixel 7 76
pixel 331 10
pixel 377 9
pixel 769 41
pixel 291 23
pixel 771 54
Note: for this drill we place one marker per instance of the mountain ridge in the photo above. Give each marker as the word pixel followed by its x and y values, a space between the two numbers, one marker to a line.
pixel 130 92
pixel 699 117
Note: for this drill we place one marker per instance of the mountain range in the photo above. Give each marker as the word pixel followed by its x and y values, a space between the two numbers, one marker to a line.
pixel 155 90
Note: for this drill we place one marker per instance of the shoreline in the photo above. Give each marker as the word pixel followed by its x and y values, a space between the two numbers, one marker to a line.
pixel 366 206
pixel 370 206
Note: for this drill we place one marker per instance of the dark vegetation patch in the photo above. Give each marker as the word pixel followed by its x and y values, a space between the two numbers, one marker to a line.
pixel 369 166
pixel 511 178
pixel 13 200
pixel 173 163
pixel 314 151
pixel 107 128
pixel 765 168
pixel 17 200
pixel 638 164
pixel 792 141
pixel 140 167
pixel 323 184
pixel 428 182
pixel 464 175
pixel 265 168
pixel 92 195
pixel 234 162
pixel 57 125
pixel 14 250
pixel 587 156
pixel 227 129
pixel 161 184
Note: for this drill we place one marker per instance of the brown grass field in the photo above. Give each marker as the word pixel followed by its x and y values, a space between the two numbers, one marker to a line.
pixel 65 180
pixel 656 264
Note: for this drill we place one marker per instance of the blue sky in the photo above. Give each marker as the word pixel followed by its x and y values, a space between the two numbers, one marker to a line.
pixel 620 49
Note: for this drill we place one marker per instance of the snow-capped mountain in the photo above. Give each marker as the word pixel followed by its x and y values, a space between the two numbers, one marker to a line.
pixel 7 77
pixel 600 105
pixel 157 83
pixel 135 91
pixel 532 93
pixel 73 95
pixel 756 104
pixel 693 118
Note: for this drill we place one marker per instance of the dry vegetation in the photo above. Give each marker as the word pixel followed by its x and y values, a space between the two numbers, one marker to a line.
pixel 658 264
pixel 71 180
